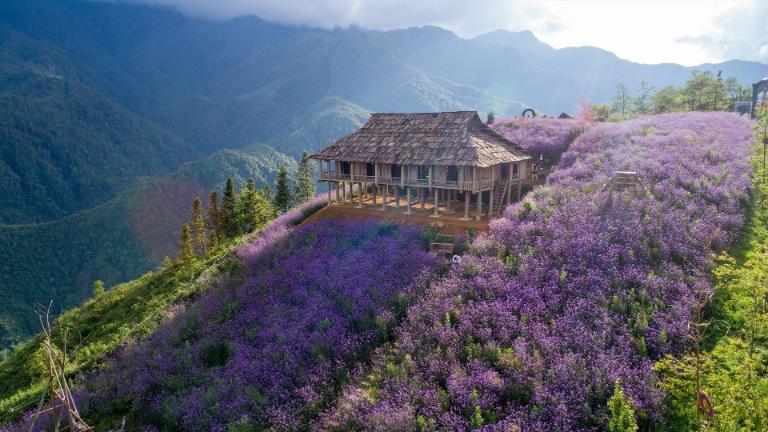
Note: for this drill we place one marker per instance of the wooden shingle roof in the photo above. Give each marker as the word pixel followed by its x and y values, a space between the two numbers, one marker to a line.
pixel 445 138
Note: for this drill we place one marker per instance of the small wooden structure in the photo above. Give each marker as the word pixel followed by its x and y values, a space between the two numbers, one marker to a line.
pixel 623 180
pixel 445 157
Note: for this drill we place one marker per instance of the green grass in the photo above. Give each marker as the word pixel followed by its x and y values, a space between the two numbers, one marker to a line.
pixel 734 361
pixel 128 312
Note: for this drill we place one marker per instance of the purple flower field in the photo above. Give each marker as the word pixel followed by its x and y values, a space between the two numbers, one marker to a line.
pixel 348 325
pixel 272 347
pixel 574 288
pixel 545 136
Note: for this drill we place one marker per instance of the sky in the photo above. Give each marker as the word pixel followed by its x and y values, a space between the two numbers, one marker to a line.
pixel 652 31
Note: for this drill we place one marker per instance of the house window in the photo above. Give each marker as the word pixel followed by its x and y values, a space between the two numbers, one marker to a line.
pixel 395 171
pixel 344 167
pixel 370 169
pixel 515 171
pixel 423 172
pixel 453 173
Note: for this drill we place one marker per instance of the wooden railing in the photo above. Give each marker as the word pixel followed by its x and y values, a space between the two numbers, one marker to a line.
pixel 468 185
pixel 334 176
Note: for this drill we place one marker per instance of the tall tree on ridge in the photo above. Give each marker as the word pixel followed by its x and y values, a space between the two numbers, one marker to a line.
pixel 212 214
pixel 621 100
pixel 283 195
pixel 185 246
pixel 227 217
pixel 266 191
pixel 198 227
pixel 642 102
pixel 305 180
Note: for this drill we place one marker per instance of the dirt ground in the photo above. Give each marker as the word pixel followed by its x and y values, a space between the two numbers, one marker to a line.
pixel 445 223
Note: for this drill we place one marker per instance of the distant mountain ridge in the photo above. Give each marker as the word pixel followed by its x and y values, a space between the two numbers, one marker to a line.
pixel 108 106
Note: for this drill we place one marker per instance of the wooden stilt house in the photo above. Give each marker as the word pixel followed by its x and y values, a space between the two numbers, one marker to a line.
pixel 443 158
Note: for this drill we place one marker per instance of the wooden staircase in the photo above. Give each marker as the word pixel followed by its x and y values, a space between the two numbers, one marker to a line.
pixel 498 195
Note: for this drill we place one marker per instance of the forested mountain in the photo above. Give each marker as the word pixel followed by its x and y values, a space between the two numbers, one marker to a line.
pixel 113 116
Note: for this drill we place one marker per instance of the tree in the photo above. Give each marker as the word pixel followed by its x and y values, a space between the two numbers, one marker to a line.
pixel 227 217
pixel 253 209
pixel 305 180
pixel 694 90
pixel 733 89
pixel 212 213
pixel 643 103
pixel 213 242
pixel 185 246
pixel 585 112
pixel 266 191
pixel 622 414
pixel 98 288
pixel 198 227
pixel 283 197
pixel 490 118
pixel 601 111
pixel 621 100
pixel 666 100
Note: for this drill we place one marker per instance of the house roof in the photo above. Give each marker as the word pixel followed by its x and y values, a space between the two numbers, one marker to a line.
pixel 445 138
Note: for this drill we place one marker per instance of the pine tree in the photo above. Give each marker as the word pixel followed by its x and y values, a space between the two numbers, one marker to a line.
pixel 283 197
pixel 490 119
pixel 213 242
pixel 244 208
pixel 266 191
pixel 185 246
pixel 198 227
pixel 227 214
pixel 305 180
pixel 622 414
pixel 98 288
pixel 212 213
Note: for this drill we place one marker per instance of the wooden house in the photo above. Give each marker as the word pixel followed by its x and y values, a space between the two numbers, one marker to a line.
pixel 442 158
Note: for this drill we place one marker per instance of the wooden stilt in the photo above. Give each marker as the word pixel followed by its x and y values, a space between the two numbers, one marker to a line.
pixel 329 193
pixel 384 198
pixel 467 197
pixel 479 205
pixel 360 195
pixel 408 200
pixel 337 193
pixel 437 203
pixel 397 197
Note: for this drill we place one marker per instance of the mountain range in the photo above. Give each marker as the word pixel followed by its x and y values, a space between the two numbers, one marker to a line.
pixel 114 116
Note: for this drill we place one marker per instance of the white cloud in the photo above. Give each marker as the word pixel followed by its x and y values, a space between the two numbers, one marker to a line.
pixel 740 32
pixel 685 32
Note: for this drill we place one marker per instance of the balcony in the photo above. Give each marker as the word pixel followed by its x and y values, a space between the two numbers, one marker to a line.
pixel 469 185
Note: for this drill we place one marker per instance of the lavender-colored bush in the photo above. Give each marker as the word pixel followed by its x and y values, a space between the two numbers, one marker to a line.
pixel 575 287
pixel 545 136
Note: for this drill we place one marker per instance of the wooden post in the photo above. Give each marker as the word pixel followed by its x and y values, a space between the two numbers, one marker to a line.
pixel 374 189
pixel 360 195
pixel 397 197
pixel 408 200
pixel 329 192
pixel 437 203
pixel 491 196
pixel 520 176
pixel 431 174
pixel 337 193
pixel 467 197
pixel 479 205
pixel 474 178
pixel 384 198
pixel 320 167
